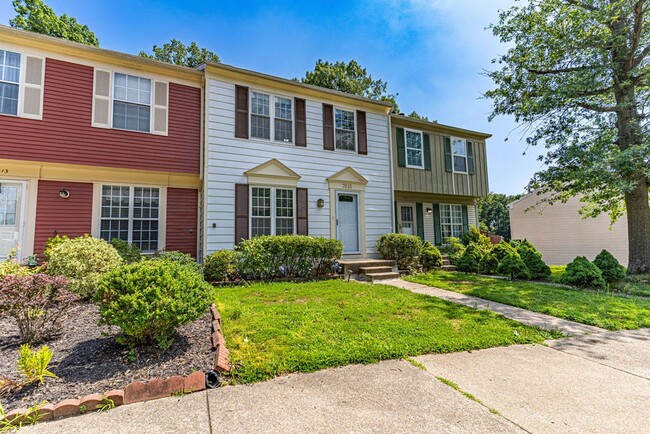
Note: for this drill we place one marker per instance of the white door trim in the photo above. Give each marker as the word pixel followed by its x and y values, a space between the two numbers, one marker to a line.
pixel 338 235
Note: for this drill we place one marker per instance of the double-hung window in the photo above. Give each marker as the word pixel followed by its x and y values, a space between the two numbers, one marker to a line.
pixel 459 150
pixel 132 103
pixel 272 211
pixel 131 214
pixel 264 120
pixel 9 82
pixel 451 221
pixel 344 129
pixel 414 149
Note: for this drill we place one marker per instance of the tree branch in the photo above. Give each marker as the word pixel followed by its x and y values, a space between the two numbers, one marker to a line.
pixel 581 5
pixel 560 70
pixel 636 32
pixel 596 108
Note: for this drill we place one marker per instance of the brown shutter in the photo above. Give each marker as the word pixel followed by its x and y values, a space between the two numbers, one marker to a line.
pixel 362 135
pixel 241 212
pixel 241 112
pixel 328 127
pixel 301 122
pixel 302 211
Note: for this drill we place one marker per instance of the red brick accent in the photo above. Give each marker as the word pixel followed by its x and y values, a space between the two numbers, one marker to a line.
pixel 117 396
pixel 194 382
pixel 46 412
pixel 216 326
pixel 91 402
pixel 18 412
pixel 134 391
pixel 67 407
pixel 222 359
pixel 153 389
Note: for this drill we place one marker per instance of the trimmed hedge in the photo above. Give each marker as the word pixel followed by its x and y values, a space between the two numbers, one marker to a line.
pixel 402 248
pixel 514 267
pixel 609 266
pixel 581 272
pixel 222 266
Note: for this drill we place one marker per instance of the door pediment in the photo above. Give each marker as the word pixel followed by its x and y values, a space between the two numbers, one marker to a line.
pixel 348 176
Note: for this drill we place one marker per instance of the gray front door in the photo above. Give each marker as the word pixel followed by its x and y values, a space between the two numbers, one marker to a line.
pixel 347 217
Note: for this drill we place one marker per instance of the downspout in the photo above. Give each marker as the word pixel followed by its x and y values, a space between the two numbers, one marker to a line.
pixel 392 179
pixel 204 161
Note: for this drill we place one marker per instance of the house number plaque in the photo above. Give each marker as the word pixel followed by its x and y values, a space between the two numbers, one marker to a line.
pixel 347 186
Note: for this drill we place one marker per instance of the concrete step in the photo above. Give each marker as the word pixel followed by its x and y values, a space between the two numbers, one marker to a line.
pixel 368 270
pixel 446 262
pixel 354 265
pixel 375 277
pixel 448 268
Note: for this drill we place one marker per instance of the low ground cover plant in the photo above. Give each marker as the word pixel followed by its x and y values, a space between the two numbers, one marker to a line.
pixel 402 248
pixel 33 364
pixel 581 272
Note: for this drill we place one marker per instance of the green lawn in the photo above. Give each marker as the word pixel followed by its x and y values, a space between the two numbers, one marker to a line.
pixel 279 328
pixel 606 310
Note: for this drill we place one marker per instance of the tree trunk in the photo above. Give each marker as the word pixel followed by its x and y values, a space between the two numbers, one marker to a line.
pixel 638 228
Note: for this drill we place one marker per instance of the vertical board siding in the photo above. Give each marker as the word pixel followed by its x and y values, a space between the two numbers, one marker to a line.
pixel 65 134
pixel 182 208
pixel 55 215
pixel 228 159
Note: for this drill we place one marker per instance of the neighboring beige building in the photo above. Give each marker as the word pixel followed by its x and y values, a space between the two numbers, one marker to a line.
pixel 560 233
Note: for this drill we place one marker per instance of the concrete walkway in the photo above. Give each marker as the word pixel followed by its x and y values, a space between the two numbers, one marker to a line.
pixel 523 316
pixel 596 383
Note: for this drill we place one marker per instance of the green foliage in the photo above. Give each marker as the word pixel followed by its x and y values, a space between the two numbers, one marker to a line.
pixel 51 243
pixel 221 266
pixel 583 273
pixel 489 264
pixel 33 364
pixel 36 16
pixel 177 53
pixel 533 260
pixel 469 261
pixel 454 249
pixel 513 267
pixel 493 213
pixel 37 302
pixel 349 78
pixel 11 266
pixel 609 266
pixel 83 260
pixel 128 251
pixel 149 300
pixel 402 248
pixel 270 257
pixel 416 115
pixel 474 236
pixel 29 417
pixel 502 250
pixel 180 258
pixel 430 256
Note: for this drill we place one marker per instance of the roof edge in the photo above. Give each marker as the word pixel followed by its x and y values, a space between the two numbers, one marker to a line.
pixel 440 127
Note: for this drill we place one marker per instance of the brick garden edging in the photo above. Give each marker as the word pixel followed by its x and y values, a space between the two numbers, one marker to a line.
pixel 138 391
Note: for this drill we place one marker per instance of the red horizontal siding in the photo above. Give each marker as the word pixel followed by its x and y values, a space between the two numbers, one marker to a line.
pixel 65 134
pixel 55 215
pixel 182 215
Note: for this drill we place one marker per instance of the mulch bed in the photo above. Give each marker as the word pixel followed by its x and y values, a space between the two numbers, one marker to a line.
pixel 88 360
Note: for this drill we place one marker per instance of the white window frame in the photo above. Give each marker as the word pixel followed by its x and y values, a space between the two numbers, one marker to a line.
pixel 162 211
pixel 451 225
pixel 354 135
pixel 273 207
pixel 406 149
pixel 272 117
pixel 151 102
pixel 454 155
pixel 20 84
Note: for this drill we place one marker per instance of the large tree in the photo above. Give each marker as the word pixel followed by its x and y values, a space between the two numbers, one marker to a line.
pixel 36 16
pixel 493 212
pixel 178 53
pixel 349 78
pixel 578 77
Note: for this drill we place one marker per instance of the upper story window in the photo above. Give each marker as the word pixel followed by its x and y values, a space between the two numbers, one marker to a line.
pixel 459 150
pixel 414 149
pixel 262 117
pixel 344 129
pixel 9 79
pixel 132 103
pixel 272 211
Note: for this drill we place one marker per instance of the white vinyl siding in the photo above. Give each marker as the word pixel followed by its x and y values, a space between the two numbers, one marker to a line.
pixel 228 158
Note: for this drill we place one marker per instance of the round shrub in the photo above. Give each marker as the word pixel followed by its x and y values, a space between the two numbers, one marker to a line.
pixel 454 249
pixel 469 262
pixel 488 264
pixel 51 243
pixel 513 267
pixel 221 266
pixel 609 266
pixel 402 248
pixel 128 251
pixel 583 273
pixel 180 258
pixel 149 300
pixel 502 250
pixel 533 260
pixel 430 257
pixel 83 260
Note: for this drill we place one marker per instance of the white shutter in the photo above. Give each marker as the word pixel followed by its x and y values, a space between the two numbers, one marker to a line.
pixel 102 90
pixel 160 108
pixel 32 92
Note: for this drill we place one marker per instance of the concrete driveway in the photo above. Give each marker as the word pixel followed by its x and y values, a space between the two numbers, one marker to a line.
pixel 595 383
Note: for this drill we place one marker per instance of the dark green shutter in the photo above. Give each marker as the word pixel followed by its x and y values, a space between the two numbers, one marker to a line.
pixel 470 157
pixel 427 152
pixel 465 219
pixel 448 159
pixel 396 218
pixel 420 220
pixel 401 147
pixel 436 224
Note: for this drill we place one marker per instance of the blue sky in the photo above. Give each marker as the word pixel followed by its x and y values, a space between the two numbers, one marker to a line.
pixel 430 52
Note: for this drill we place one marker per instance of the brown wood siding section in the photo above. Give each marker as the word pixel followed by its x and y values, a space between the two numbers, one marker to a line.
pixel 55 215
pixel 65 134
pixel 182 208
pixel 437 181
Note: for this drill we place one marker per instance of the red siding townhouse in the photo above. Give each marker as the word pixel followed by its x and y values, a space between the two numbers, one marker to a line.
pixel 99 142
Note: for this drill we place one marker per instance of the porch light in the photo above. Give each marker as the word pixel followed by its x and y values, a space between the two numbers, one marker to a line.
pixel 320 203
pixel 64 193
pixel 429 210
